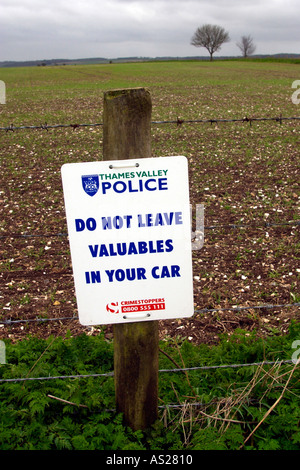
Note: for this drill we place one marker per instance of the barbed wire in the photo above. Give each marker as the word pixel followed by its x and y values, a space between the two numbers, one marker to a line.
pixel 184 369
pixel 46 126
pixel 259 225
pixel 235 308
pixel 254 307
pixel 38 235
pixel 37 320
pixel 177 121
pixel 292 223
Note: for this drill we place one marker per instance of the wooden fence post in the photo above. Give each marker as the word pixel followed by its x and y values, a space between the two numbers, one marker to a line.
pixel 127 135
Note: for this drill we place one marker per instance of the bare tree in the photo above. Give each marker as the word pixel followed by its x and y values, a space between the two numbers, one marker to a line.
pixel 211 37
pixel 246 46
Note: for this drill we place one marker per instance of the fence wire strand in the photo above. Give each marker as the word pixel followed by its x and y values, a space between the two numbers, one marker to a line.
pixel 179 122
pixel 46 126
pixel 291 223
pixel 185 369
pixel 204 310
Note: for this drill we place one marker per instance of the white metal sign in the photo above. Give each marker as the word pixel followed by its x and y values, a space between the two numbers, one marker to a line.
pixel 130 239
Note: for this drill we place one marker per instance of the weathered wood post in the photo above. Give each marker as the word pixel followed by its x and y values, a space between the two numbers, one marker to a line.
pixel 127 135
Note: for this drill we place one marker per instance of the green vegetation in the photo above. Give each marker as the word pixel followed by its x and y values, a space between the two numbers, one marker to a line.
pixel 220 407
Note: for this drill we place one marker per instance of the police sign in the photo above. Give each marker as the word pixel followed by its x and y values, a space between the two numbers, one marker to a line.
pixel 130 239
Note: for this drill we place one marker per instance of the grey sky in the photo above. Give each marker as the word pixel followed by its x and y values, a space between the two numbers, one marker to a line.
pixel 40 29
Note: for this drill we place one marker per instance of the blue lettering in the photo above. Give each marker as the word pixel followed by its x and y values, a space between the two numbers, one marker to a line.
pixel 178 218
pixel 147 184
pixel 129 273
pixel 128 220
pixel 120 275
pixel 140 221
pixel 169 245
pixel 159 219
pixel 118 222
pixel 149 220
pixel 134 186
pixel 132 249
pixel 106 223
pixel 121 248
pixel 141 273
pixel 165 272
pixel 93 277
pixel 93 250
pixel 169 218
pixel 130 188
pixel 165 218
pixel 160 245
pixel 143 247
pixel 110 275
pixel 90 224
pixel 154 274
pixel 105 186
pixel 103 251
pixel 120 183
pixel 151 247
pixel 175 271
pixel 79 225
pixel 111 250
pixel 162 184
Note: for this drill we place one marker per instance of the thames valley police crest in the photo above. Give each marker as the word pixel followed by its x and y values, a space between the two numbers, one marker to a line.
pixel 90 184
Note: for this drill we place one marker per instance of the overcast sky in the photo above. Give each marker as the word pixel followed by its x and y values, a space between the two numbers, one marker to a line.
pixel 69 29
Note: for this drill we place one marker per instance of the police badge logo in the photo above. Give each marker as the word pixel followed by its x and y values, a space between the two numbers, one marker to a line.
pixel 90 184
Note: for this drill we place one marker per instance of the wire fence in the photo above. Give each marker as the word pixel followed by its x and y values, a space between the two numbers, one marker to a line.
pixel 183 369
pixel 179 122
pixel 168 406
pixel 234 308
pixel 279 119
pixel 289 223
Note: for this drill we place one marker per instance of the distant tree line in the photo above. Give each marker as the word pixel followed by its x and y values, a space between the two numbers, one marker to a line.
pixel 212 37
